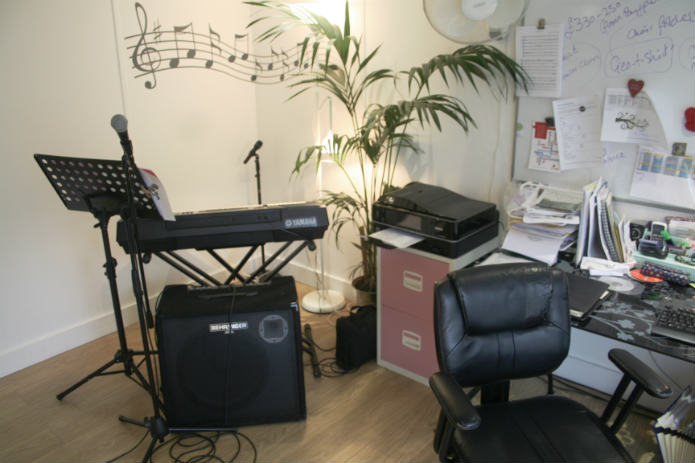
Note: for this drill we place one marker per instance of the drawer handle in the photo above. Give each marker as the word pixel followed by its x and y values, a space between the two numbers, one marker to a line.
pixel 411 340
pixel 412 281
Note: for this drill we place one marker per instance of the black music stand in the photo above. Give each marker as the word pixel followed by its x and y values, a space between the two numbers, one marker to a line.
pixel 99 186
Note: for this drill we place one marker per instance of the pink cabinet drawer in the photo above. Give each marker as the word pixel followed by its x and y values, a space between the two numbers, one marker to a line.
pixel 407 281
pixel 408 342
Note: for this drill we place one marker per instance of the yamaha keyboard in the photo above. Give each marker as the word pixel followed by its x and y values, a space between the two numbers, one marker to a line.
pixel 227 228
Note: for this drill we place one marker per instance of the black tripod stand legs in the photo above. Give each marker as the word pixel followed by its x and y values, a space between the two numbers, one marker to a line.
pixel 129 368
pixel 157 427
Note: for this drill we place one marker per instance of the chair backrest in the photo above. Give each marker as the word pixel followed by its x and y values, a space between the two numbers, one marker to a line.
pixel 500 322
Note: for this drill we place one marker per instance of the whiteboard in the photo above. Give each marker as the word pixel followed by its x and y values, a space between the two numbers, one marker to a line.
pixel 606 44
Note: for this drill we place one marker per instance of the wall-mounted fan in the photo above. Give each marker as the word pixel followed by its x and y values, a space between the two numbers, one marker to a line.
pixel 474 21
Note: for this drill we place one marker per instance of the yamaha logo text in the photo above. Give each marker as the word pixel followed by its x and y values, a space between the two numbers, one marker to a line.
pixel 301 222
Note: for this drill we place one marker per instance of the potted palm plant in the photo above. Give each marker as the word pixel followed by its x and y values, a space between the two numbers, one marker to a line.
pixel 380 132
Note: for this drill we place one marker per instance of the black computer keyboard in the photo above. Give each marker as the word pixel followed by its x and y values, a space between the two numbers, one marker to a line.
pixel 676 321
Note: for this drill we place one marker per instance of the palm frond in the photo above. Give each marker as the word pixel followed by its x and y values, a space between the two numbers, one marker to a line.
pixel 475 62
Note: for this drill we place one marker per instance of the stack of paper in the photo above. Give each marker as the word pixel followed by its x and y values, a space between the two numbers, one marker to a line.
pixel 601 235
pixel 546 224
pixel 675 429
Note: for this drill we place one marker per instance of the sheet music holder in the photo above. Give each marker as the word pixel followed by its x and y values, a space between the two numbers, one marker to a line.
pixel 100 186
pixel 84 184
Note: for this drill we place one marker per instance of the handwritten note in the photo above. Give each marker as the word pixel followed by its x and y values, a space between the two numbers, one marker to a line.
pixel 578 124
pixel 539 51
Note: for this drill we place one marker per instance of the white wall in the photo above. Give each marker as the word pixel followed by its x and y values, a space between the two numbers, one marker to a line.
pixel 64 74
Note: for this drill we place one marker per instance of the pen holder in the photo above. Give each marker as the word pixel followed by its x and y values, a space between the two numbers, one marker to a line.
pixel 668 263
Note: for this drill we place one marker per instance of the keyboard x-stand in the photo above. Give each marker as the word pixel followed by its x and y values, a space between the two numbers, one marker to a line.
pixel 253 227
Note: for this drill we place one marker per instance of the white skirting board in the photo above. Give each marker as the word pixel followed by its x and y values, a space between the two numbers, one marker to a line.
pixel 39 349
pixel 45 347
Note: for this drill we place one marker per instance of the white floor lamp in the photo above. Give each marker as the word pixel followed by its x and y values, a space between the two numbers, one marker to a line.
pixel 323 300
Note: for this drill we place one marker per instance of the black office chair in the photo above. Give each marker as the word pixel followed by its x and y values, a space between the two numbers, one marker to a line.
pixel 501 322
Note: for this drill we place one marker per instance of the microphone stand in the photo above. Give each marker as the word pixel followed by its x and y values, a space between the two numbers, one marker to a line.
pixel 155 424
pixel 254 154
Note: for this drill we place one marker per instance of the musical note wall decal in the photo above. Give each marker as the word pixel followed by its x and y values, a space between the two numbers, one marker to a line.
pixel 214 39
pixel 190 52
pixel 144 57
pixel 180 47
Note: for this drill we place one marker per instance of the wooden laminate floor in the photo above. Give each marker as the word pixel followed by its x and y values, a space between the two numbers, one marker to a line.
pixel 370 415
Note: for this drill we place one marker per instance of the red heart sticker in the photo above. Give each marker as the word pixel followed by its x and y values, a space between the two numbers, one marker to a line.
pixel 690 119
pixel 634 86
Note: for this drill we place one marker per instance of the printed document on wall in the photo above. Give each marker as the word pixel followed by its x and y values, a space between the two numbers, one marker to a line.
pixel 539 52
pixel 544 155
pixel 578 127
pixel 628 119
pixel 664 178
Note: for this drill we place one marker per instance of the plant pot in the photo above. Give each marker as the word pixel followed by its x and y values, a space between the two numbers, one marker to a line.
pixel 363 296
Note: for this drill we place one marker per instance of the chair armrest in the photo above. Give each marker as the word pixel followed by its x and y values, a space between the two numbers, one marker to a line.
pixel 640 373
pixel 454 401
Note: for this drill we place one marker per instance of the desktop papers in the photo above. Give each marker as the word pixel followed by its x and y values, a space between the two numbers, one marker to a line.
pixel 628 119
pixel 578 125
pixel 534 245
pixel 664 178
pixel 544 220
pixel 396 238
pixel 539 52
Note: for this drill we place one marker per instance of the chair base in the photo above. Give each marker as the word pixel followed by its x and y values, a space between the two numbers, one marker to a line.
pixel 547 428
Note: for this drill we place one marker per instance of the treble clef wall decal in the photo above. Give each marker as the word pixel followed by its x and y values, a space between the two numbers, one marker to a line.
pixel 145 58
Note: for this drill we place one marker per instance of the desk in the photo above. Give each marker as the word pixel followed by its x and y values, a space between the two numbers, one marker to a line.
pixel 625 322
pixel 405 337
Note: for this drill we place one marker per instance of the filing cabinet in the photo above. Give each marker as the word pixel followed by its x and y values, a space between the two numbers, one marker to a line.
pixel 405 299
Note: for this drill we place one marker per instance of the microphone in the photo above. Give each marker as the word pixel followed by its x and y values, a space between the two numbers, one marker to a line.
pixel 120 125
pixel 252 153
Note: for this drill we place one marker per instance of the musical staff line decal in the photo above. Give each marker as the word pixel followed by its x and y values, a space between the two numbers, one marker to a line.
pixel 158 50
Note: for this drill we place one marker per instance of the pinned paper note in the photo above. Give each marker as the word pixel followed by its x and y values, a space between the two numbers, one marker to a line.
pixel 664 178
pixel 578 124
pixel 544 150
pixel 628 119
pixel 539 52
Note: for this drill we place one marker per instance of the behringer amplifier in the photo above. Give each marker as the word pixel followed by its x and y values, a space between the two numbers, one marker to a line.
pixel 231 356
